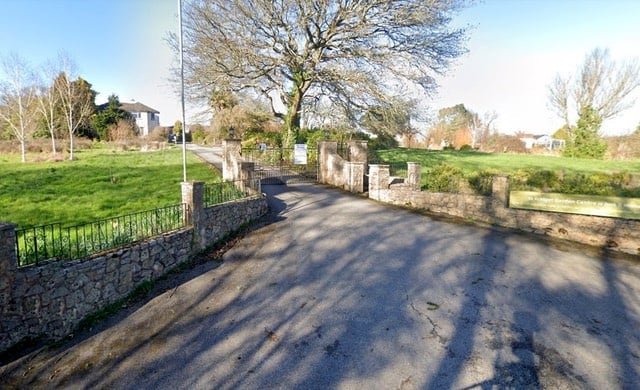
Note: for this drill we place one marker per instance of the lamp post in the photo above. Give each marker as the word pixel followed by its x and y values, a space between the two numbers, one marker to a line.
pixel 184 122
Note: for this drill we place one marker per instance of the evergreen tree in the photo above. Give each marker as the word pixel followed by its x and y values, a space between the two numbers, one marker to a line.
pixel 584 140
pixel 108 116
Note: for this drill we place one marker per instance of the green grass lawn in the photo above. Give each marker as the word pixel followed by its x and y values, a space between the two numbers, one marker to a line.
pixel 441 170
pixel 99 184
pixel 506 163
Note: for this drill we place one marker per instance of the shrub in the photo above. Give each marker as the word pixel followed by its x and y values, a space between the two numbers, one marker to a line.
pixel 444 178
pixel 198 135
pixel 482 182
pixel 123 130
pixel 383 141
pixel 159 133
pixel 544 180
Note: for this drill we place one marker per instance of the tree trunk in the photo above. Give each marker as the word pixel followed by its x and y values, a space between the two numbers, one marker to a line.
pixel 23 150
pixel 71 145
pixel 292 122
pixel 52 131
pixel 53 143
pixel 71 129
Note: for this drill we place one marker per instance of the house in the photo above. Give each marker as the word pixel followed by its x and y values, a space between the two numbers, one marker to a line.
pixel 544 141
pixel 146 117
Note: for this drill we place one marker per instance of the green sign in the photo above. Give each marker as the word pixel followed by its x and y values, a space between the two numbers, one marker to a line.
pixel 603 206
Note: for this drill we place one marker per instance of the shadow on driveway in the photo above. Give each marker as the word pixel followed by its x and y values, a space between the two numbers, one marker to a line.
pixel 336 291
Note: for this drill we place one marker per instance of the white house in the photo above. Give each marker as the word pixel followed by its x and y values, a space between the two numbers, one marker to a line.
pixel 542 141
pixel 146 117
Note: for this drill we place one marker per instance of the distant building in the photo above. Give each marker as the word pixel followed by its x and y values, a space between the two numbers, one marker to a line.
pixel 530 141
pixel 146 117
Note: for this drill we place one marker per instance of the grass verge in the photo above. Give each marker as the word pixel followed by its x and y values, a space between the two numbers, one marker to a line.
pixel 100 184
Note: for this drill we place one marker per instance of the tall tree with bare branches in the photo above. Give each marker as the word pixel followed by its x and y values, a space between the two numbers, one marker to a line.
pixel 76 100
pixel 600 90
pixel 353 54
pixel 48 100
pixel 601 84
pixel 18 99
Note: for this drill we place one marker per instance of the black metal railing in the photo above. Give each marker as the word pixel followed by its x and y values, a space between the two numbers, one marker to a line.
pixel 58 243
pixel 276 156
pixel 216 193
pixel 278 166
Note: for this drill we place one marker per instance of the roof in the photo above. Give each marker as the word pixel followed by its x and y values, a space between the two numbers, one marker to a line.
pixel 137 107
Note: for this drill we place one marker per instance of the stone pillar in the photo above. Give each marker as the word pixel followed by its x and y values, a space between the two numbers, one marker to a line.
pixel 413 176
pixel 378 180
pixel 358 151
pixel 193 198
pixel 8 268
pixel 500 190
pixel 8 260
pixel 355 177
pixel 248 182
pixel 232 156
pixel 326 149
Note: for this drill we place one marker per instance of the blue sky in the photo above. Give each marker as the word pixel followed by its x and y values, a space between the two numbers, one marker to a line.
pixel 515 49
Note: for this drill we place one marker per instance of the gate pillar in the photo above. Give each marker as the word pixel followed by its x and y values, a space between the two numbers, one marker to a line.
pixel 232 149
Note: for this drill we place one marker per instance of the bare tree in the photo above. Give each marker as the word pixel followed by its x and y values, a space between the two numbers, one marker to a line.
pixel 601 84
pixel 355 54
pixel 559 97
pixel 18 98
pixel 76 99
pixel 48 99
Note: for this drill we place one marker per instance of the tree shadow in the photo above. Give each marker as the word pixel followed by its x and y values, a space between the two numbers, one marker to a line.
pixel 338 291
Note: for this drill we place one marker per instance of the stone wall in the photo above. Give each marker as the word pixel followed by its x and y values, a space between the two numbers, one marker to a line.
pixel 50 299
pixel 222 219
pixel 338 172
pixel 615 234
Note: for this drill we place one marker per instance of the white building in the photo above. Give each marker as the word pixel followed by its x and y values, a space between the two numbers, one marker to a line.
pixel 146 117
pixel 545 141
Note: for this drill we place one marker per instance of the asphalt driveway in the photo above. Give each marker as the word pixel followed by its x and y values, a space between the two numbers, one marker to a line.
pixel 336 291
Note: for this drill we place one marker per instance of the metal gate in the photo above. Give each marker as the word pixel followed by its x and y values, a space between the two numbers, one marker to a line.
pixel 276 165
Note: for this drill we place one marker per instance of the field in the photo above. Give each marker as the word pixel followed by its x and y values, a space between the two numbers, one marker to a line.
pixel 507 163
pixel 443 171
pixel 99 184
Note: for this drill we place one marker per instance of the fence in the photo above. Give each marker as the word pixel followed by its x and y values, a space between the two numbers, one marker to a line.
pixel 55 242
pixel 276 156
pixel 216 193
pixel 85 267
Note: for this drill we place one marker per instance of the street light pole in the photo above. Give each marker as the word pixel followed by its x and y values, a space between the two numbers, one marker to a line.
pixel 184 122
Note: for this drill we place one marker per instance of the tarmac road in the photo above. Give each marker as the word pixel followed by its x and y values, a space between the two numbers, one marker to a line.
pixel 340 292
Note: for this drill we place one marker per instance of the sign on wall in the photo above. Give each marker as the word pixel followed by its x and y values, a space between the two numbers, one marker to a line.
pixel 603 206
pixel 300 154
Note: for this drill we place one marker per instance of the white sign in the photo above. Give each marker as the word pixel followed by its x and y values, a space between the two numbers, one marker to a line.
pixel 300 154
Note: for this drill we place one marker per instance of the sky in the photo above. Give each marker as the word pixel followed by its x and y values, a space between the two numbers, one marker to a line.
pixel 515 49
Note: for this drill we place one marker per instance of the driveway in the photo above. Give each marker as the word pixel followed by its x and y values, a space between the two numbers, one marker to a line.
pixel 336 291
